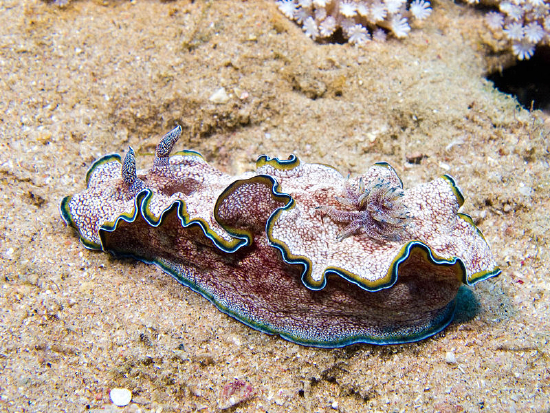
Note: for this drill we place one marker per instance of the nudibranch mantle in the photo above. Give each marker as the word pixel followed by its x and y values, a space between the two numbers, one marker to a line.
pixel 291 249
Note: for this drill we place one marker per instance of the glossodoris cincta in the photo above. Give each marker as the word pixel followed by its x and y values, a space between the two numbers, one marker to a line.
pixel 291 249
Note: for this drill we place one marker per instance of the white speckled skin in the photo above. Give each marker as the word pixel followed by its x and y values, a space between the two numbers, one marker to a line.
pixel 433 208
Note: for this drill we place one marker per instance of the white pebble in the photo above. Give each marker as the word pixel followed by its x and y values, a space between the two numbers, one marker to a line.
pixel 219 96
pixel 525 190
pixel 120 397
pixel 450 357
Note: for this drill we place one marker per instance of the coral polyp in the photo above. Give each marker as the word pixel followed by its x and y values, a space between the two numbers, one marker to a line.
pixel 359 21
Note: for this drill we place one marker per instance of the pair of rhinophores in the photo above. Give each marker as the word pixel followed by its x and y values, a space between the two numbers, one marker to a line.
pixel 291 249
pixel 375 211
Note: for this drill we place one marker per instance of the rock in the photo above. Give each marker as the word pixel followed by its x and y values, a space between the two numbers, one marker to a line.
pixel 415 157
pixel 235 393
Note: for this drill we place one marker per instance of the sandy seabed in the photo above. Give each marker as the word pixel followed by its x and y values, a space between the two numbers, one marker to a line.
pixel 94 77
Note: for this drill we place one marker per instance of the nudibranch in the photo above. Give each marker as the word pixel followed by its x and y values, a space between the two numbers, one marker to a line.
pixel 291 249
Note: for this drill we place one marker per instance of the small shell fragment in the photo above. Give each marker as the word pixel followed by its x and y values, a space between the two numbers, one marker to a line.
pixel 220 96
pixel 450 357
pixel 120 397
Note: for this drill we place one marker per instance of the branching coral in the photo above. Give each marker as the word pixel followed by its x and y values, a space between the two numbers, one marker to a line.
pixel 360 21
pixel 525 23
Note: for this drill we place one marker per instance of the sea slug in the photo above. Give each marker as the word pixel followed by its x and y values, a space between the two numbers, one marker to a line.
pixel 291 249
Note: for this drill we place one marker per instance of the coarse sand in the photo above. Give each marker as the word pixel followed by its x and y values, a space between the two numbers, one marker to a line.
pixel 93 77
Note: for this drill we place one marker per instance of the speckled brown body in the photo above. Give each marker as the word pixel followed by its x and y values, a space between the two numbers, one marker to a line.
pixel 255 285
